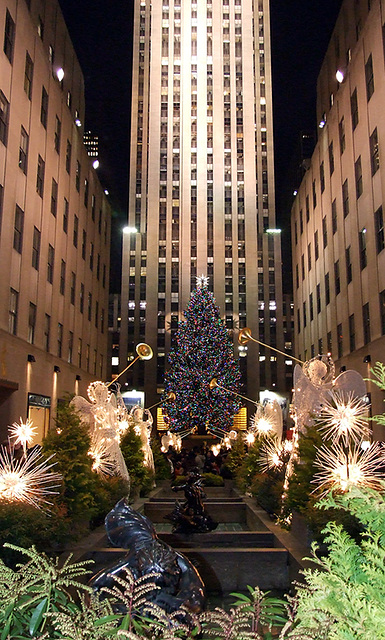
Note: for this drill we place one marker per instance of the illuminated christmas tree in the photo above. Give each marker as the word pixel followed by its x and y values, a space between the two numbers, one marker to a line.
pixel 202 351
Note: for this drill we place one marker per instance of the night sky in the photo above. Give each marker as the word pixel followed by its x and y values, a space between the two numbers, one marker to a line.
pixel 100 31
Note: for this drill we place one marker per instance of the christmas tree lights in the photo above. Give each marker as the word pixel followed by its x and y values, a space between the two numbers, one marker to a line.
pixel 202 351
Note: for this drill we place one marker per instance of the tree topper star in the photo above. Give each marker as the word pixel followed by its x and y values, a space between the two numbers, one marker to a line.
pixel 202 281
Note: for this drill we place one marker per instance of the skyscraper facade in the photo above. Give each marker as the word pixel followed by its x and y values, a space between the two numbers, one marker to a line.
pixel 337 217
pixel 201 194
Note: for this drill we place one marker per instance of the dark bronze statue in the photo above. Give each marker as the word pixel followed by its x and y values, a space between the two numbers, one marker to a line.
pixel 179 582
pixel 191 515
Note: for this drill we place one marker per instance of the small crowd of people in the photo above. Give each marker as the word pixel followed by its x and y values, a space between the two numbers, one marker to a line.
pixel 200 458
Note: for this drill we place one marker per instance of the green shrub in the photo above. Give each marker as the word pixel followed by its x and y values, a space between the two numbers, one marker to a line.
pixel 162 467
pixel 268 492
pixel 249 466
pixel 141 480
pixel 70 442
pixel 209 480
pixel 109 491
pixel 25 525
pixel 236 454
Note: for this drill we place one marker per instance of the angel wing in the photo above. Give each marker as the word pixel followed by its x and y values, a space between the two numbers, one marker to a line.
pixel 83 408
pixel 273 413
pixel 352 383
pixel 307 398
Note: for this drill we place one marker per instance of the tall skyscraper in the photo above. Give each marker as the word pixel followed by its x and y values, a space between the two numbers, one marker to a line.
pixel 337 216
pixel 201 193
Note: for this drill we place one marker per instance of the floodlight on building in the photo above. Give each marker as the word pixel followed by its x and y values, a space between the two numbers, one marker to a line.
pixel 31 358
pixel 340 76
pixel 367 359
pixel 128 230
pixel 78 377
pixel 106 192
pixel 322 122
pixel 60 74
pixel 273 232
pixel 295 192
pixel 96 164
pixel 56 369
pixel 78 122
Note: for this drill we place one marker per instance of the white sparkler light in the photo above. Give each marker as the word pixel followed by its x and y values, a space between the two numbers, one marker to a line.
pixel 271 456
pixel 250 437
pixel 342 468
pixel 103 461
pixel 202 281
pixel 23 433
pixel 344 417
pixel 29 479
pixel 261 425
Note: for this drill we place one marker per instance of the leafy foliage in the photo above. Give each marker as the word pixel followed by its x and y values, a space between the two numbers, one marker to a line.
pixel 162 467
pixel 202 351
pixel 346 593
pixel 140 477
pixel 209 480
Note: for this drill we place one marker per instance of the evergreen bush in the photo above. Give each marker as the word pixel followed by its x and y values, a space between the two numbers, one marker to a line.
pixel 141 480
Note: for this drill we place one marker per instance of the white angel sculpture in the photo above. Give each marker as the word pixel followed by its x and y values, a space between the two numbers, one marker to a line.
pixel 143 420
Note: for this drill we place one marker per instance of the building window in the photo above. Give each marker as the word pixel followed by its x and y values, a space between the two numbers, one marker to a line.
pixel 47 332
pixel 77 175
pixel 348 260
pixel 18 229
pixel 62 277
pixel 23 150
pixel 13 309
pixel 374 152
pixel 327 289
pixel 89 306
pixel 329 344
pixel 362 247
pixel 354 108
pixel 379 223
pixel 70 346
pixel 75 235
pixel 44 108
pixel 358 176
pixel 301 222
pixel 102 321
pixel 73 288
pixel 4 116
pixel 334 216
pixel 345 197
pixel 40 176
pixel 304 314
pixel 36 248
pixel 28 75
pixel 382 311
pixel 98 267
pixel 96 314
pixel 298 321
pixel 296 275
pixel 324 232
pixel 80 348
pixel 352 334
pixel 65 215
pixel 322 176
pixel 316 246
pixel 303 266
pixel 68 156
pixel 341 132
pixel 366 322
pixel 337 278
pixel 93 207
pixel 331 158
pixel 51 54
pixel 40 28
pixel 91 256
pixel 339 340
pixel 307 204
pixel 84 244
pixel 318 294
pixel 31 323
pixel 311 309
pixel 9 36
pixel 295 233
pixel 314 195
pixel 57 137
pixel 81 298
pixel 86 192
pixel 59 339
pixel 50 263
pixel 54 191
pixel 369 77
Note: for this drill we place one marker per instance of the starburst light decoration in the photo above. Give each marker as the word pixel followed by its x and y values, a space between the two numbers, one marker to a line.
pixel 23 433
pixel 274 455
pixel 342 468
pixel 249 438
pixel 28 479
pixel 344 417
pixel 202 281
pixel 267 420
pixel 102 456
pixel 171 440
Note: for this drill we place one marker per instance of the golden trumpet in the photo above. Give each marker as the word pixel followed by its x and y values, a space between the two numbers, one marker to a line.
pixel 170 396
pixel 245 336
pixel 214 385
pixel 144 352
